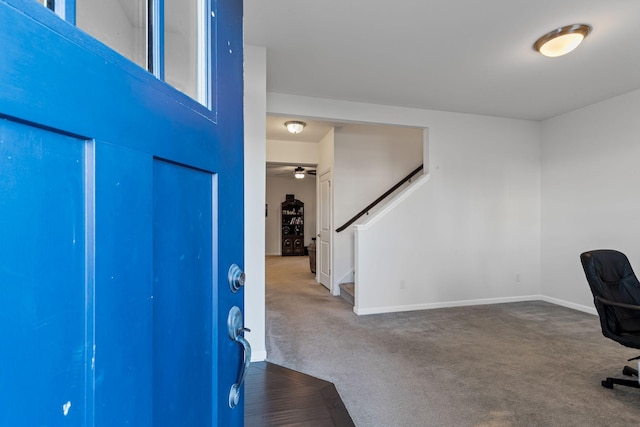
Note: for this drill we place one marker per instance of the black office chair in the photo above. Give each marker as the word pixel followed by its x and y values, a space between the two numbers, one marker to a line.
pixel 616 295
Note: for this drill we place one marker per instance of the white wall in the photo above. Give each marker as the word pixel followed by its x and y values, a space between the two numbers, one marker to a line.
pixel 590 181
pixel 326 152
pixel 369 159
pixel 255 123
pixel 471 233
pixel 467 233
pixel 292 152
pixel 277 189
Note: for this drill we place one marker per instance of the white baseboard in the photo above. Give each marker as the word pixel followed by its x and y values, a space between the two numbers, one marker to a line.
pixel 574 306
pixel 259 356
pixel 430 306
pixel 485 301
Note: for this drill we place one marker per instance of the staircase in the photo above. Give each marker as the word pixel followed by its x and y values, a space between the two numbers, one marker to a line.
pixel 348 292
pixel 347 289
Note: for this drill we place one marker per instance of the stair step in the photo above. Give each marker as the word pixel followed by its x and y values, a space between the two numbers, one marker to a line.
pixel 348 292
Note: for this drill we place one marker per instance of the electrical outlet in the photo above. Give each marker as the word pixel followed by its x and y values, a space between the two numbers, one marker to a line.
pixel 401 284
pixel 517 277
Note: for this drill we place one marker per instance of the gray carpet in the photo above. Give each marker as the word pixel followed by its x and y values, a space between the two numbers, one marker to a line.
pixel 518 364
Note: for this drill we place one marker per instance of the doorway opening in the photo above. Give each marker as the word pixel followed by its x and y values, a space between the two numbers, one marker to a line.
pixel 290 209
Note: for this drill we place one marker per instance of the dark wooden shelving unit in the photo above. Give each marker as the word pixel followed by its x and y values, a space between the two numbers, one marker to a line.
pixel 292 227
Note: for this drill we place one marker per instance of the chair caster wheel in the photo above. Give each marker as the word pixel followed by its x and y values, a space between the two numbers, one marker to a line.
pixel 607 383
pixel 628 371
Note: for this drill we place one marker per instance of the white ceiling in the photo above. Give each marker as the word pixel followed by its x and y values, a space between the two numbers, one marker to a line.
pixel 453 55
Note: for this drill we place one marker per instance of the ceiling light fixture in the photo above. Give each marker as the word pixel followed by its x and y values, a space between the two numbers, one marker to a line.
pixel 562 40
pixel 295 127
pixel 298 172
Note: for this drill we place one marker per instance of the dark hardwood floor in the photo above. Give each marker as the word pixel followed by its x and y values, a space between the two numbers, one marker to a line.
pixel 277 396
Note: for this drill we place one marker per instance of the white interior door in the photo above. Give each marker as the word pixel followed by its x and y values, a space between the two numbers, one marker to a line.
pixel 324 237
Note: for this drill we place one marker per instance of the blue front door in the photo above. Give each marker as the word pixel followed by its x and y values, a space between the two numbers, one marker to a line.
pixel 120 218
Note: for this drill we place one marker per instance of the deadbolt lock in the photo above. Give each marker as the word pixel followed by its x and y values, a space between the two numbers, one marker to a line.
pixel 236 278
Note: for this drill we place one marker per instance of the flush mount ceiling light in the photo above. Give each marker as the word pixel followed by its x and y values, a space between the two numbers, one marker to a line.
pixel 295 126
pixel 562 40
pixel 298 172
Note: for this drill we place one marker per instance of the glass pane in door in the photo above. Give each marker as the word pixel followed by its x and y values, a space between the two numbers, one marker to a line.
pixel 184 47
pixel 120 24
pixel 47 3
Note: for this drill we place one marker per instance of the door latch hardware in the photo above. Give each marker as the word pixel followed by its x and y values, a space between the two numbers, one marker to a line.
pixel 236 333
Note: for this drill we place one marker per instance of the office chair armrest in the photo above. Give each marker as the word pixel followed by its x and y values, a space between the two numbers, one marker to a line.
pixel 618 304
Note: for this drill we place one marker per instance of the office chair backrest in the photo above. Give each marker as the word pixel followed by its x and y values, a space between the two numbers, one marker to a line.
pixel 611 277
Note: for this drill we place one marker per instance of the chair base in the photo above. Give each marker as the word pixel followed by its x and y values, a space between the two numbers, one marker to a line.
pixel 628 371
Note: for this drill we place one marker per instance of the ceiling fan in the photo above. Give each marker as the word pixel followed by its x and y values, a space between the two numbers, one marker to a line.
pixel 298 172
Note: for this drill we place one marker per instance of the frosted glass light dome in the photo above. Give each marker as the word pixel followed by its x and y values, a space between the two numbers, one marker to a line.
pixel 295 127
pixel 562 40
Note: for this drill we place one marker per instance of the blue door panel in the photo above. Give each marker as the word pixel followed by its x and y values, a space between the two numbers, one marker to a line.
pixel 123 287
pixel 182 296
pixel 42 268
